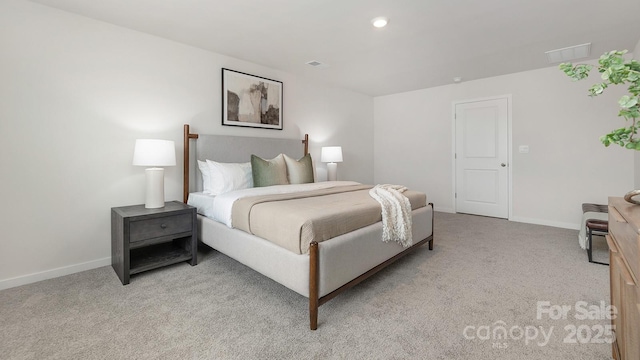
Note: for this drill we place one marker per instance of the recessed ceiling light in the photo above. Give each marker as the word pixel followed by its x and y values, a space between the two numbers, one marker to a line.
pixel 380 21
pixel 457 79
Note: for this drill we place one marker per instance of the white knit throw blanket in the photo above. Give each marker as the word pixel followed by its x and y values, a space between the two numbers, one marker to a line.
pixel 396 213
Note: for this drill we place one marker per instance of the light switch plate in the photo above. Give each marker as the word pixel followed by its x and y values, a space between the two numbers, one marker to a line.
pixel 524 149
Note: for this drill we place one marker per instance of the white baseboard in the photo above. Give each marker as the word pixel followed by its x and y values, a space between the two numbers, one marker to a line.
pixel 557 224
pixel 445 210
pixel 563 225
pixel 54 273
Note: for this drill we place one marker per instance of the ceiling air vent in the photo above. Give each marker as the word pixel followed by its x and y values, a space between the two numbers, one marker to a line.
pixel 569 53
pixel 317 64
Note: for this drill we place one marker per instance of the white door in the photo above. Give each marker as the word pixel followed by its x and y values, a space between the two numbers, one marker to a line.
pixel 481 158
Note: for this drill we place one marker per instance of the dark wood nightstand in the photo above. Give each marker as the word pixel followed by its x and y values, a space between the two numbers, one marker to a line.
pixel 144 239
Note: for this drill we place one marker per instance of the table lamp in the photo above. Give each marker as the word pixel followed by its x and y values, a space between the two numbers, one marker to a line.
pixel 154 153
pixel 331 155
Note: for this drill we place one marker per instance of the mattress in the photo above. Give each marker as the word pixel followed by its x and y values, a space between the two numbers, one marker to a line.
pixel 202 202
pixel 293 216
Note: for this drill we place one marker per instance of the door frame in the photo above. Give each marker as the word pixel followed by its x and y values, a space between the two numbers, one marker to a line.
pixel 509 148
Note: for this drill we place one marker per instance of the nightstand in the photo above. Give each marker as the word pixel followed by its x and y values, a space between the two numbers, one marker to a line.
pixel 144 239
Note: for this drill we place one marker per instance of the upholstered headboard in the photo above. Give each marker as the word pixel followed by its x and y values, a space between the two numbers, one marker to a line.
pixel 232 149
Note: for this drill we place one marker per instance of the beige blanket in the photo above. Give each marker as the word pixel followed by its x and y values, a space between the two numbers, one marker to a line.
pixel 295 220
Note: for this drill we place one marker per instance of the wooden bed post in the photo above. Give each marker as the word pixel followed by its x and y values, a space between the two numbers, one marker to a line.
pixel 313 285
pixel 432 217
pixel 185 174
pixel 306 144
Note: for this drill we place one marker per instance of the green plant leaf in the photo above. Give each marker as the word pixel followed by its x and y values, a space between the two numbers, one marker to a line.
pixel 614 70
pixel 628 101
pixel 597 89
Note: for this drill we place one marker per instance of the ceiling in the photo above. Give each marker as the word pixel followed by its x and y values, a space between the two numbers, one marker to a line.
pixel 427 42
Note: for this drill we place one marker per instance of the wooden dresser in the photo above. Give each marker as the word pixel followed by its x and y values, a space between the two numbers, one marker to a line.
pixel 624 256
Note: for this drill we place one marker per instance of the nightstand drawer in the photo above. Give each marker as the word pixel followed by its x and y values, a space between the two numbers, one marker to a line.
pixel 163 226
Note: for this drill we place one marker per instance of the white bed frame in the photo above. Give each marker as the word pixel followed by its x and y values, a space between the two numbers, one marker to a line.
pixel 331 266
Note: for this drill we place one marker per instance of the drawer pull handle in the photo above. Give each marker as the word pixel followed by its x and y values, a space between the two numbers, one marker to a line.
pixel 164 226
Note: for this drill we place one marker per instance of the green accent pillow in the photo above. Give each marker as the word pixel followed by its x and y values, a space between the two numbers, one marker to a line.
pixel 268 172
pixel 299 171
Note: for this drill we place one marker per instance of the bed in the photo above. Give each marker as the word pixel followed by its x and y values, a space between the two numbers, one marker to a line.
pixel 323 269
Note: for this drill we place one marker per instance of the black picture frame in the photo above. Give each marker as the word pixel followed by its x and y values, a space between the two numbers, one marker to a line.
pixel 251 101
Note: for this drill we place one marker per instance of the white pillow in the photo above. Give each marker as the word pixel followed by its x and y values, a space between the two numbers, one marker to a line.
pixel 227 177
pixel 206 176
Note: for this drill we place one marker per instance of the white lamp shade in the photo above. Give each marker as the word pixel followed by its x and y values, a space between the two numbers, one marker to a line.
pixel 331 154
pixel 151 152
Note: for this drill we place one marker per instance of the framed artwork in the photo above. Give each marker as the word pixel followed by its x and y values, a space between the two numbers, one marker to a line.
pixel 251 101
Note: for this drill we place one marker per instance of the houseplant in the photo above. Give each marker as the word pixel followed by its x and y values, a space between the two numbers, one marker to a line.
pixel 616 70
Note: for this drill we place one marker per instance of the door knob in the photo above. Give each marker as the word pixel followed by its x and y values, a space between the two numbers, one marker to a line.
pixel 503 164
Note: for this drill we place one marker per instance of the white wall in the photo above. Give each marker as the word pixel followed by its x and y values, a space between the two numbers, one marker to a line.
pixel 566 165
pixel 75 93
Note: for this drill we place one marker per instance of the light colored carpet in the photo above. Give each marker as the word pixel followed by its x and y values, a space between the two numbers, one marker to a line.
pixel 483 274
